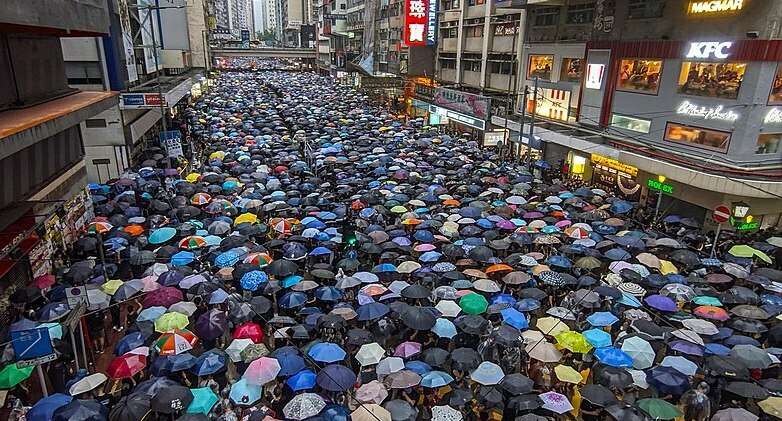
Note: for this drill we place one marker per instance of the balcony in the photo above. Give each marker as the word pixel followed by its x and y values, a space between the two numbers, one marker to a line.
pixel 474 44
pixel 452 15
pixel 502 44
pixel 472 79
pixel 448 75
pixel 499 81
pixel 73 18
pixel 449 44
pixel 478 11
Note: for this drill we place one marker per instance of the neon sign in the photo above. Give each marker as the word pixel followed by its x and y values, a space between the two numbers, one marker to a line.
pixel 709 49
pixel 420 23
pixel 707 113
pixel 715 6
pixel 654 184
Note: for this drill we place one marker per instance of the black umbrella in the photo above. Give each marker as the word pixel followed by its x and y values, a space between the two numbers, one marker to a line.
pixel 81 410
pixel 86 244
pixel 506 335
pixel 726 366
pixel 130 408
pixel 358 337
pixel 171 400
pixel 143 257
pixel 598 395
pixel 435 357
pixel 260 304
pixel 473 324
pixel 26 295
pixel 418 318
pixel 525 402
pixel 416 292
pixel 747 390
pixel 457 397
pixel 401 410
pixel 627 412
pixel 491 397
pixel 517 384
pixel 465 359
pixel 611 376
pixel 281 268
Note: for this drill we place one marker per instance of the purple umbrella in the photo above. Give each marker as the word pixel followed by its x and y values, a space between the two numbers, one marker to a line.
pixel 407 349
pixel 336 378
pixel 661 303
pixel 506 225
pixel 163 297
pixel 532 215
pixel 211 324
pixel 686 347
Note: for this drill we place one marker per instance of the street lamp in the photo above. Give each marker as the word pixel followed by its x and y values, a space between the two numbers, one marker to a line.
pixel 661 179
pixel 740 210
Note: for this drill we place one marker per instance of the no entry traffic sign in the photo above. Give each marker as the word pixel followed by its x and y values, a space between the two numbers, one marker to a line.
pixel 721 214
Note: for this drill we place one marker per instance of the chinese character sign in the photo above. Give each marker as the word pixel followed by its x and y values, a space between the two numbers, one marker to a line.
pixel 420 22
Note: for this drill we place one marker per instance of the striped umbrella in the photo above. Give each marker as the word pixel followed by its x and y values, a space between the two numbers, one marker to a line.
pixel 192 242
pixel 99 227
pixel 261 259
pixel 200 199
pixel 176 342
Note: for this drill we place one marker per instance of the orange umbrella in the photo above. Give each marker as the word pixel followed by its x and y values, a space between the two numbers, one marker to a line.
pixel 451 202
pixel 134 230
pixel 500 267
pixel 411 221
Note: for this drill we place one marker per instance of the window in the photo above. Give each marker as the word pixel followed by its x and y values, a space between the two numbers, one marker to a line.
pixel 645 9
pixel 83 72
pixel 546 16
pixel 572 69
pixel 716 80
pixel 503 67
pixel 95 123
pixel 775 97
pixel 540 66
pixel 450 32
pixel 630 123
pixel 580 14
pixel 342 6
pixel 768 143
pixel 474 31
pixel 475 2
pixel 640 76
pixel 448 63
pixel 697 137
pixel 472 62
pixel 451 4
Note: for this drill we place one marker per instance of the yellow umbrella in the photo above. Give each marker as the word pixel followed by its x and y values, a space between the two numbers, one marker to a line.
pixel 171 321
pixel 568 374
pixel 573 341
pixel 193 177
pixel 219 155
pixel 539 268
pixel 245 217
pixel 772 406
pixel 111 286
pixel 744 250
pixel 551 326
pixel 667 267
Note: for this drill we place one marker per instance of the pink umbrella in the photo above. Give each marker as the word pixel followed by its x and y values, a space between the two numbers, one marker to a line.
pixel 563 223
pixel 506 225
pixel 164 297
pixel 43 281
pixel 407 349
pixel 424 247
pixel 262 371
pixel 149 283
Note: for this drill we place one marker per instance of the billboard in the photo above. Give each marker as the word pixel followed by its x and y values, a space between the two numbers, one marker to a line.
pixel 145 100
pixel 551 103
pixel 420 23
pixel 464 102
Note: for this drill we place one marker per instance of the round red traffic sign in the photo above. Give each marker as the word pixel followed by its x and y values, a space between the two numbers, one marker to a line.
pixel 721 214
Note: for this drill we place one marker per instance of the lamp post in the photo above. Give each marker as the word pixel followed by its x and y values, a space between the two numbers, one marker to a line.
pixel 661 179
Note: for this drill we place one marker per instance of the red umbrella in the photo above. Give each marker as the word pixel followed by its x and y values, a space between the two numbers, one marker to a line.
pixel 43 281
pixel 249 331
pixel 126 366
pixel 163 297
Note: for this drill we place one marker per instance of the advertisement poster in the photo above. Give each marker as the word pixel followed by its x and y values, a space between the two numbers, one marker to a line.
pixel 551 103
pixel 149 29
pixel 464 102
pixel 127 40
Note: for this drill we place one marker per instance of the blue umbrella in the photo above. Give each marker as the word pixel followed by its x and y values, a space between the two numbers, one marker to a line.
pixel 209 362
pixel 613 357
pixel 329 293
pixel 371 311
pixel 418 367
pixel 444 328
pixel 621 206
pixel 515 318
pixel 171 278
pixel 303 380
pixel 598 338
pixel 161 235
pixel 151 314
pixel 183 258
pixel 527 304
pixel 667 380
pixel 602 318
pixel 327 352
pixel 163 366
pixel 336 378
pixel 618 254
pixel 292 299
pixel 560 261
pixel 291 280
pixel 505 300
pixel 43 410
pixel 435 379
pixel 245 394
pixel 424 236
pixel 253 279
pixel 226 259
pixel 430 256
pixel 130 342
pixel 384 268
pixel 320 251
pixel 332 412
pixel 290 362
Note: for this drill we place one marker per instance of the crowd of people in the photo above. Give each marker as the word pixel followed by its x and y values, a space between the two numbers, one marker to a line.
pixel 329 261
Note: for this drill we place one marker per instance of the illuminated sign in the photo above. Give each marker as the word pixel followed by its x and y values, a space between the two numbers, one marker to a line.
pixel 773 115
pixel 551 103
pixel 654 184
pixel 715 6
pixel 494 137
pixel 147 100
pixel 594 77
pixel 420 23
pixel 614 164
pixel 461 118
pixel 707 113
pixel 709 49
pixel 465 102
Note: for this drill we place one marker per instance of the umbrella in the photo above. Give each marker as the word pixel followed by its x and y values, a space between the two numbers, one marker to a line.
pixel 172 399
pixel 81 410
pixel 262 371
pixel 659 409
pixel 303 406
pixel 12 374
pixel 336 378
pixel 203 401
pixel 44 409
pixel 446 413
pixel 370 412
pixel 244 394
pixel 487 373
pixel 370 354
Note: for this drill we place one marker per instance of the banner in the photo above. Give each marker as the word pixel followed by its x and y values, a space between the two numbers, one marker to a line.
pixel 464 102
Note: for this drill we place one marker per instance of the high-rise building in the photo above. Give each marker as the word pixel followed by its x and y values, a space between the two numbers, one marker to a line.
pixel 221 12
pixel 294 15
pixel 273 18
pixel 260 12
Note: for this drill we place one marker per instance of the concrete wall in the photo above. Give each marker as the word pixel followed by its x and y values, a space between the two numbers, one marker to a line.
pixel 79 49
pixel 87 16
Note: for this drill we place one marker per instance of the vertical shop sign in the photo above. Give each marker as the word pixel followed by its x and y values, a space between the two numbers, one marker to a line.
pixel 420 23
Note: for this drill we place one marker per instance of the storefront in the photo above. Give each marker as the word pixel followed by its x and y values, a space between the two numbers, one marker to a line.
pixel 614 177
pixel 559 69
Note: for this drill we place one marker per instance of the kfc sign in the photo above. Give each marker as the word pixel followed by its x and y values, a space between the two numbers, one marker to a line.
pixel 420 23
pixel 709 49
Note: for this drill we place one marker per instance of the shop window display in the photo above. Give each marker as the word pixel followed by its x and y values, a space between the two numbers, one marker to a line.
pixel 697 137
pixel 768 143
pixel 775 97
pixel 715 80
pixel 572 70
pixel 540 66
pixel 640 76
pixel 630 123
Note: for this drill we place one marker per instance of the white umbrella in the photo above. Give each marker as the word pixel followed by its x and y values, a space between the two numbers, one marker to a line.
pixel 370 354
pixel 487 374
pixel 641 352
pixel 446 413
pixel 448 308
pixel 184 307
pixel 98 299
pixel 88 383
pixel 544 351
pixel 688 335
pixel 372 392
pixel 639 378
pixel 389 365
pixel 700 326
pixel 556 402
pixel 303 406
pixel 370 412
pixel 236 347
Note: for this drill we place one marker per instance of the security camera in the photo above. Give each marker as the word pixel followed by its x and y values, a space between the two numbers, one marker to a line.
pixel 753 34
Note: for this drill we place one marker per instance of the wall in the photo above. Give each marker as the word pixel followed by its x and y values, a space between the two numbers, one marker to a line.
pixel 196 27
pixel 89 16
pixel 175 26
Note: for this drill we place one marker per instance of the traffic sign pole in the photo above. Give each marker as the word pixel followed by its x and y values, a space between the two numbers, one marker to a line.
pixel 721 214
pixel 714 243
pixel 42 380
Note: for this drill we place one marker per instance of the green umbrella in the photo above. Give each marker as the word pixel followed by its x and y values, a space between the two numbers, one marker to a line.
pixel 13 375
pixel 399 209
pixel 659 409
pixel 744 250
pixel 705 300
pixel 473 304
pixel 203 401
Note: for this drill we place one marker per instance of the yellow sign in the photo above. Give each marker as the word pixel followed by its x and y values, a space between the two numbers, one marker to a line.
pixel 614 164
pixel 715 6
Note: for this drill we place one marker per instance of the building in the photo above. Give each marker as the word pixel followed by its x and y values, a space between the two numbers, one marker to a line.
pixel 43 204
pixel 294 15
pixel 260 13
pixel 240 16
pixel 220 13
pixel 273 18
pixel 631 91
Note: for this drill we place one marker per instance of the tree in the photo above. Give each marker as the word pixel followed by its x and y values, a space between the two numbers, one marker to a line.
pixel 266 35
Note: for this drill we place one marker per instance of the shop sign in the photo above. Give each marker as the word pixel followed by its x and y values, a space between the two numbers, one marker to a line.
pixel 424 92
pixel 614 164
pixel 381 82
pixel 134 101
pixel 420 104
pixel 551 103
pixel 707 113
pixel 463 102
pixel 420 23
pixel 459 117
pixel 505 29
pixel 654 184
pixel 773 115
pixel 594 77
pixel 746 225
pixel 494 137
pixel 715 6
pixel 709 49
